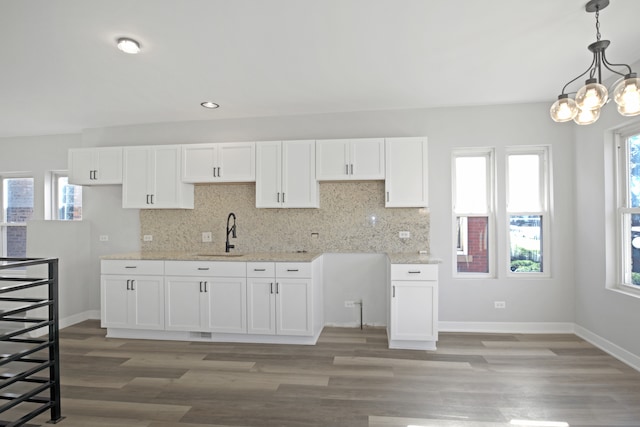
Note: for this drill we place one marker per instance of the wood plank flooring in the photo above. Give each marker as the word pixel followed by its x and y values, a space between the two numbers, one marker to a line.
pixel 350 378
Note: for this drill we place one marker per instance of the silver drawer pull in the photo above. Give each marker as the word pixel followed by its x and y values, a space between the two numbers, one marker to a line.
pixel 293 269
pixel 259 269
pixel 203 268
pixel 130 266
pixel 415 272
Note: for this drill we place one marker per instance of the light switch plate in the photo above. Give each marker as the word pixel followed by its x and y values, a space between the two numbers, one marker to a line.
pixel 404 234
pixel 147 238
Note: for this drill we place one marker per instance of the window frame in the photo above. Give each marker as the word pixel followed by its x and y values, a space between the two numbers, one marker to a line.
pixel 623 208
pixel 544 153
pixel 3 223
pixel 53 207
pixel 490 212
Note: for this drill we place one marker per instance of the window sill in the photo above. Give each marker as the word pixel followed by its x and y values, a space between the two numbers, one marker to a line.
pixel 625 291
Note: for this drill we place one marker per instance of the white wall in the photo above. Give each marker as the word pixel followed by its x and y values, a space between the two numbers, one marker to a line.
pixel 538 300
pixel 543 300
pixel 610 315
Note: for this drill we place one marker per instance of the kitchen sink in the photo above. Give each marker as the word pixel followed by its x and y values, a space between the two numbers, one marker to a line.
pixel 221 254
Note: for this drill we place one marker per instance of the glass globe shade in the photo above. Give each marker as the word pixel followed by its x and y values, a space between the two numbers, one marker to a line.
pixel 592 95
pixel 586 117
pixel 627 95
pixel 564 109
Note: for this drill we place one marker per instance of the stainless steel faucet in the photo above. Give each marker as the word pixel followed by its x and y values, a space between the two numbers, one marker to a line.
pixel 231 231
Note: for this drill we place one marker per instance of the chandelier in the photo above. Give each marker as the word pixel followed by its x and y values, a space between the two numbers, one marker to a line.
pixel 585 108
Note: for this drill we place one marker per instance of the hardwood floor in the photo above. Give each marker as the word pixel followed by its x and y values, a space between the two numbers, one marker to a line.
pixel 350 378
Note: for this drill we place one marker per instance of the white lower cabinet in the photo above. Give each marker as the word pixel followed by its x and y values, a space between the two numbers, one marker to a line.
pixel 205 296
pixel 279 299
pixel 413 320
pixel 132 295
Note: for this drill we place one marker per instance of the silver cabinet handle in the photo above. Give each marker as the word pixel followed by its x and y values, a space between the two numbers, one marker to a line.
pixel 278 197
pixel 152 199
pixel 147 199
pixel 387 196
pixel 414 272
pixel 394 291
pixel 277 288
pixel 130 266
pixel 283 197
pixel 346 169
pixel 271 288
pixel 133 282
pixel 219 172
pixel 259 269
pixel 203 268
pixel 214 172
pixel 128 285
pixel 293 269
pixel 351 168
pixel 200 287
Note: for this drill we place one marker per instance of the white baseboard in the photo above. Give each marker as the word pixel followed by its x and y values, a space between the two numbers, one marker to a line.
pixel 607 346
pixel 508 327
pixel 77 318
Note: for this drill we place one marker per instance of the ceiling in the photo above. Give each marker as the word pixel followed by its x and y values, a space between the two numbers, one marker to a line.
pixel 61 73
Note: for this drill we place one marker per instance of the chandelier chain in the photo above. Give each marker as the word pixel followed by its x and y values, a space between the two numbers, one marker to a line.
pixel 598 23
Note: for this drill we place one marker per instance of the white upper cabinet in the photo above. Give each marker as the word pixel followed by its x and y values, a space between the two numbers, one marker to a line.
pixel 406 183
pixel 95 166
pixel 151 178
pixel 350 159
pixel 286 175
pixel 220 162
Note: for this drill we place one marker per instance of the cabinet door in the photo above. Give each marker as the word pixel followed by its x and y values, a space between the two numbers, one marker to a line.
pixel 406 172
pixel 227 304
pixel 293 307
pixel 137 174
pixel 198 163
pixel 108 166
pixel 81 164
pixel 236 162
pixel 168 189
pixel 268 174
pixel 186 307
pixel 299 184
pixel 261 306
pixel 114 293
pixel 413 310
pixel 147 297
pixel 332 160
pixel 367 159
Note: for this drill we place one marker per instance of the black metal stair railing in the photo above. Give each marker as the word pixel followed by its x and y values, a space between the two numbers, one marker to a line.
pixel 29 367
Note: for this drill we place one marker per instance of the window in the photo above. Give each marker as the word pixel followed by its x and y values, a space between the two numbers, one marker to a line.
pixel 527 210
pixel 629 208
pixel 66 198
pixel 17 209
pixel 473 212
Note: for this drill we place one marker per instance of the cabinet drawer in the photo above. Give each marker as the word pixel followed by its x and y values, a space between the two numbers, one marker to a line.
pixel 131 267
pixel 414 272
pixel 293 269
pixel 206 268
pixel 261 269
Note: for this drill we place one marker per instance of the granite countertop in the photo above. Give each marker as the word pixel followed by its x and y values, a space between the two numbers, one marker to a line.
pixel 217 256
pixel 395 258
pixel 412 258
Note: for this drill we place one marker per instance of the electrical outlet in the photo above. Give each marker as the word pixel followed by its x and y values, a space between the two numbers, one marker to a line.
pixel 104 238
pixel 404 234
pixel 147 238
pixel 349 304
pixel 206 237
pixel 499 304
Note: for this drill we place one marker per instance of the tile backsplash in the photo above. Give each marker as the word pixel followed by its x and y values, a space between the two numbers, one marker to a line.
pixel 351 218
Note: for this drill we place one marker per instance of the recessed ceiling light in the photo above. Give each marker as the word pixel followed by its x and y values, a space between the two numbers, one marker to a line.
pixel 209 104
pixel 128 45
